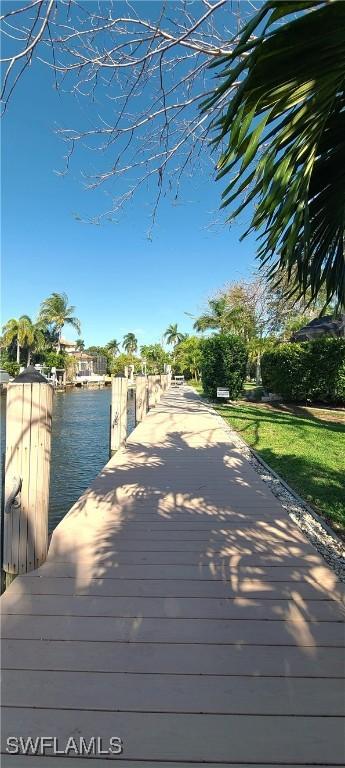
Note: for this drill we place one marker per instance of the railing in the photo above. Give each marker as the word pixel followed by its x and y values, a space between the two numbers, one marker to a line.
pixel 148 391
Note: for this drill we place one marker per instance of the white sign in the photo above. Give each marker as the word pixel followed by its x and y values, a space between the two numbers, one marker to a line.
pixel 221 392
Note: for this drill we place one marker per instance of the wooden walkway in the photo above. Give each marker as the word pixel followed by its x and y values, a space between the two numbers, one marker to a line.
pixel 180 609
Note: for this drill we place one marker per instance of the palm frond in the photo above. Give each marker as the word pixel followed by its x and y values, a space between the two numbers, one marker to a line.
pixel 284 135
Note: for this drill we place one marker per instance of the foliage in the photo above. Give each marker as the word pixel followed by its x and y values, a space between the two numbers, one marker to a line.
pixel 70 367
pixel 9 366
pixel 56 312
pixel 223 364
pixel 25 334
pixel 231 311
pixel 283 129
pixel 130 343
pixel 312 370
pixel 240 308
pixel 287 314
pixel 173 335
pixel 80 345
pixel 121 361
pixel 187 358
pixel 155 357
pixel 113 346
pixel 51 359
pixel 306 449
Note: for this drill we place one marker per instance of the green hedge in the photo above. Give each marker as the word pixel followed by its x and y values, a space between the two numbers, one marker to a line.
pixel 310 370
pixel 223 364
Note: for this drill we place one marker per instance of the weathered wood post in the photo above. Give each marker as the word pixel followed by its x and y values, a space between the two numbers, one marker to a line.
pixel 151 391
pixel 118 425
pixel 140 398
pixel 158 389
pixel 27 472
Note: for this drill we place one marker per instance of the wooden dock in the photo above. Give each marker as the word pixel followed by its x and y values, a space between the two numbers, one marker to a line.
pixel 181 610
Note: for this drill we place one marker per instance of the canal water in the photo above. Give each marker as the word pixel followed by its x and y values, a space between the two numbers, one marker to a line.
pixel 80 443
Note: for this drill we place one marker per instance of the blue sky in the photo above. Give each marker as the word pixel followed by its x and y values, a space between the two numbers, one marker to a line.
pixel 116 277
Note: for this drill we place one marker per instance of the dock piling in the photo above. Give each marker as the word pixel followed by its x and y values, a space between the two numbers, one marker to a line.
pixel 151 391
pixel 27 472
pixel 118 428
pixel 140 398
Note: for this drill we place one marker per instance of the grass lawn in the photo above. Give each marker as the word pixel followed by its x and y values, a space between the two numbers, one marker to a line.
pixel 306 448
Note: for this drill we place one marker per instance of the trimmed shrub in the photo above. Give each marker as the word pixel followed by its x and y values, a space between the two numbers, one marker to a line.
pixel 313 370
pixel 223 364
pixel 285 371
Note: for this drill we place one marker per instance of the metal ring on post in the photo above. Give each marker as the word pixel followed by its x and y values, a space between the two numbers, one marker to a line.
pixel 11 500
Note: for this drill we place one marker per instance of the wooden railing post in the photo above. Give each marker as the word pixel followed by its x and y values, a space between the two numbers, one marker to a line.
pixel 151 391
pixel 27 472
pixel 118 426
pixel 158 389
pixel 140 398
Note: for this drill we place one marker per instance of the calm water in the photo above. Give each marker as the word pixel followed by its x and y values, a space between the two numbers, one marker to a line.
pixel 80 444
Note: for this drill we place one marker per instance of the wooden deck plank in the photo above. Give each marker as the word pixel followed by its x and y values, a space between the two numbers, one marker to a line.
pixel 196 694
pixel 213 659
pixel 107 568
pixel 248 588
pixel 144 630
pixel 178 607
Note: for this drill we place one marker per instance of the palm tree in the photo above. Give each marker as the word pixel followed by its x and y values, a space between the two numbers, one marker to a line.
pixel 214 319
pixel 173 335
pixel 56 311
pixel 283 129
pixel 130 343
pixel 25 333
pixel 113 346
pixel 80 345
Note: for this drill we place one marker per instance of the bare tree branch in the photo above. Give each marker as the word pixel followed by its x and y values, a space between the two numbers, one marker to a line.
pixel 138 77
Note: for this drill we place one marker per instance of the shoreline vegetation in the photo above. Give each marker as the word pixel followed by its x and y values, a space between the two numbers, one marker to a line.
pixel 305 446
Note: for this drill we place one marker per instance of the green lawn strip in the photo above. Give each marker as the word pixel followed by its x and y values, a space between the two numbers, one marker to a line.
pixel 308 453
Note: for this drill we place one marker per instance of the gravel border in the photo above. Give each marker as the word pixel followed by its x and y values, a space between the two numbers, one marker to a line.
pixel 320 535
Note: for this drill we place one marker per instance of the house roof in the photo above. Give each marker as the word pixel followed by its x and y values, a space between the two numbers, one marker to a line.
pixel 321 326
pixel 84 356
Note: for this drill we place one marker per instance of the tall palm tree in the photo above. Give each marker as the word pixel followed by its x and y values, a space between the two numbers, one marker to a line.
pixel 173 335
pixel 56 311
pixel 25 333
pixel 282 137
pixel 130 343
pixel 113 346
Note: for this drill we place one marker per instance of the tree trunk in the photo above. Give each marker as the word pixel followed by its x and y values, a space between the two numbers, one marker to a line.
pixel 59 342
pixel 29 357
pixel 18 352
pixel 258 368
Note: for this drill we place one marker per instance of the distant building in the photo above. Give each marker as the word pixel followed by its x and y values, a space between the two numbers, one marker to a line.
pixel 86 365
pixel 68 346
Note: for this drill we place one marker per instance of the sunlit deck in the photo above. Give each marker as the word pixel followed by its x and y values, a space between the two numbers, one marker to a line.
pixel 180 609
